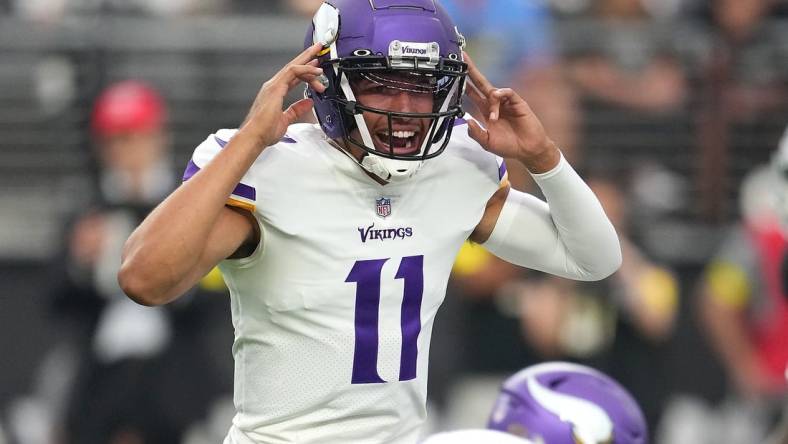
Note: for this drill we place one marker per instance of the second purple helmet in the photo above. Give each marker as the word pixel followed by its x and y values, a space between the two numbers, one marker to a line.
pixel 563 403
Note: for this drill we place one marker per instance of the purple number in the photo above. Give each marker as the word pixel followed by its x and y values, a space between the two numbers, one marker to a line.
pixel 366 275
pixel 411 269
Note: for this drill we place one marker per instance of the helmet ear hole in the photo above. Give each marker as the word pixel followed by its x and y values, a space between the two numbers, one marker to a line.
pixel 557 382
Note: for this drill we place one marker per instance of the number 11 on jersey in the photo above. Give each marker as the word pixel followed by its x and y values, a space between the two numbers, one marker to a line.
pixel 367 276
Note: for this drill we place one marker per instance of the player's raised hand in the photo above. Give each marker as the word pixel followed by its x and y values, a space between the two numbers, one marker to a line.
pixel 511 127
pixel 266 119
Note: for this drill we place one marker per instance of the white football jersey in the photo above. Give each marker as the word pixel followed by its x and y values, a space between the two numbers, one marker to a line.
pixel 475 436
pixel 333 312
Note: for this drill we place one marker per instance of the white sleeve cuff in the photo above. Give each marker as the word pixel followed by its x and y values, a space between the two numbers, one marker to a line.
pixel 538 177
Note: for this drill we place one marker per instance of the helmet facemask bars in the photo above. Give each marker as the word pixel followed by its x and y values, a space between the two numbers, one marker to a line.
pixel 374 51
pixel 442 85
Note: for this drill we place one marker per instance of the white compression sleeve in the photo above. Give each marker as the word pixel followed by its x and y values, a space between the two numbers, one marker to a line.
pixel 569 235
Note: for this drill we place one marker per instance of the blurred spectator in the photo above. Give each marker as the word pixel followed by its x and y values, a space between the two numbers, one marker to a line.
pixel 742 82
pixel 628 73
pixel 128 127
pixel 619 325
pixel 629 66
pixel 743 303
pixel 137 374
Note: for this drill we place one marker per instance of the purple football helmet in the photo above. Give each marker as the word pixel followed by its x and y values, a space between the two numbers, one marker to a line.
pixel 376 41
pixel 562 403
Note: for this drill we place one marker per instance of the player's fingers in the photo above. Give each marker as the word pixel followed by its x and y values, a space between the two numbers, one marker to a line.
pixel 317 81
pixel 306 58
pixel 514 104
pixel 504 93
pixel 478 133
pixel 477 77
pixel 296 71
pixel 307 55
pixel 510 96
pixel 302 73
pixel 297 109
pixel 495 106
pixel 478 99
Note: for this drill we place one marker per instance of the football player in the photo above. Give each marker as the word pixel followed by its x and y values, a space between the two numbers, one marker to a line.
pixel 558 403
pixel 744 300
pixel 563 403
pixel 336 240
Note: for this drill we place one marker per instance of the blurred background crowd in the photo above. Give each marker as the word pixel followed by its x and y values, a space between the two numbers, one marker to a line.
pixel 673 110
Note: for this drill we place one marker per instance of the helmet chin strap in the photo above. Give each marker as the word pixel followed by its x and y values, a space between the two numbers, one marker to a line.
pixel 388 170
pixel 370 163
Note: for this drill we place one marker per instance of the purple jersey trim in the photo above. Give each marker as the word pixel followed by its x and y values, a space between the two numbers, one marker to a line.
pixel 460 121
pixel 245 191
pixel 502 170
pixel 286 139
pixel 241 190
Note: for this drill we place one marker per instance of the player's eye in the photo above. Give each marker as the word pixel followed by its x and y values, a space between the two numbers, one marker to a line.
pixel 370 88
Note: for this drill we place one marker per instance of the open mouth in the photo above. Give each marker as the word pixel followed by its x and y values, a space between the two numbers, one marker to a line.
pixel 403 142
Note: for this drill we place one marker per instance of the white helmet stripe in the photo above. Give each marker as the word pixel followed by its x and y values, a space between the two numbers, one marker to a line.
pixel 590 423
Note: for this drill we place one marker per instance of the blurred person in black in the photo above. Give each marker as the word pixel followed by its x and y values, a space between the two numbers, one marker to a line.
pixel 123 347
pixel 742 94
pixel 630 81
pixel 619 325
pixel 743 307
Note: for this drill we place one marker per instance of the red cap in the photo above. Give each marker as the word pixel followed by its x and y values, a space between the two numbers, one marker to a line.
pixel 126 107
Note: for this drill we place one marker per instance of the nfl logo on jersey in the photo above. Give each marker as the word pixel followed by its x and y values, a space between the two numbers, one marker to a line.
pixel 383 206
